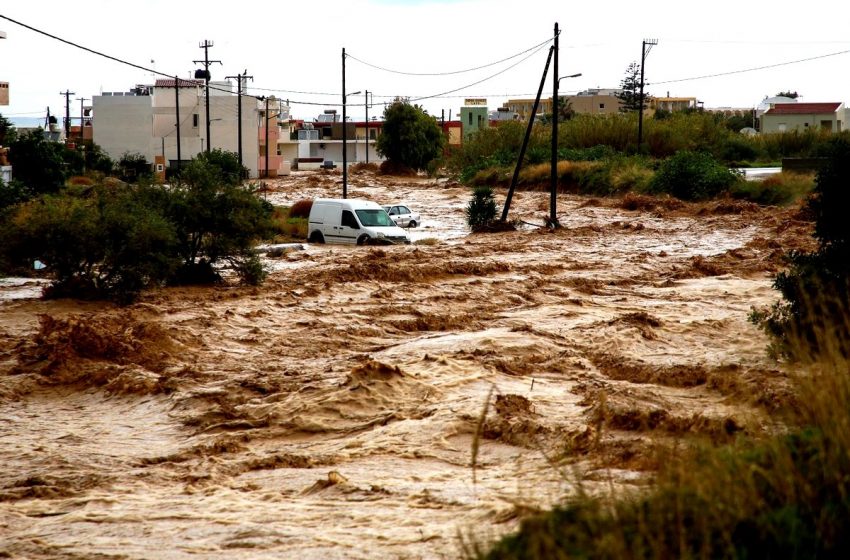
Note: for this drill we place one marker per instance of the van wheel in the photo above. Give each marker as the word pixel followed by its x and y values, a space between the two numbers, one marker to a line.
pixel 316 237
pixel 363 239
pixel 412 223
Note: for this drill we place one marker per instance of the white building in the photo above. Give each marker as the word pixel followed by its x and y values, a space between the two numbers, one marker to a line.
pixel 144 121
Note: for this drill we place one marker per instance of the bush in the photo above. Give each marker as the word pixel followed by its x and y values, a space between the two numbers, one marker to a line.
pixel 692 176
pixel 481 210
pixel 782 188
pixel 133 167
pixel 816 288
pixel 106 244
pixel 301 209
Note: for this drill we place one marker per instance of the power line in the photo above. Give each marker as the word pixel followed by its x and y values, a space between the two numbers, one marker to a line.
pixel 777 65
pixel 482 80
pixel 450 73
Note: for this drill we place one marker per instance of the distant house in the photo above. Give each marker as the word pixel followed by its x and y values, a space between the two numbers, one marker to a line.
pixel 784 117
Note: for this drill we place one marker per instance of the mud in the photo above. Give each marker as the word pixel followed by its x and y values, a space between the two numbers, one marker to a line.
pixel 333 411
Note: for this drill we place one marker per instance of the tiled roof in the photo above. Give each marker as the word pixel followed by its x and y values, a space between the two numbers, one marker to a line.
pixel 166 83
pixel 803 108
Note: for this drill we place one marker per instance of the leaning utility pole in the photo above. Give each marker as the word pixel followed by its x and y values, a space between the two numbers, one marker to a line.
pixel 206 75
pixel 239 78
pixel 524 145
pixel 643 52
pixel 67 95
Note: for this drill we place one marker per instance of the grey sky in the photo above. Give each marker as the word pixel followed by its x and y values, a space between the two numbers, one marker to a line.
pixel 293 49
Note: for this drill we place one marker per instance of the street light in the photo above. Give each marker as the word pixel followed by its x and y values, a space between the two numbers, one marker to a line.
pixel 553 179
pixel 570 76
pixel 345 142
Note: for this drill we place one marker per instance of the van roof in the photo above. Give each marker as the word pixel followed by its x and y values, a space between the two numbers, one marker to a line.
pixel 353 203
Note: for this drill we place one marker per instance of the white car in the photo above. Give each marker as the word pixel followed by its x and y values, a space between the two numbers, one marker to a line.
pixel 403 216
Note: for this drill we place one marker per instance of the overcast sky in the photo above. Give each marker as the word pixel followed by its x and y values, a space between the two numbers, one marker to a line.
pixel 293 49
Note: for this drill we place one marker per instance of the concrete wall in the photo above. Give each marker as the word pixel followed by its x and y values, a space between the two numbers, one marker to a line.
pixel 123 124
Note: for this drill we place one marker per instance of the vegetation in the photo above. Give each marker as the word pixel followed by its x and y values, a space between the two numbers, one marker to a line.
pixel 816 287
pixel 630 90
pixel 106 240
pixel 39 163
pixel 784 496
pixel 692 176
pixel 481 210
pixel 410 136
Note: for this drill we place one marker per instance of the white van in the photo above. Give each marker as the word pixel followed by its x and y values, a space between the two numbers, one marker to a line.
pixel 351 220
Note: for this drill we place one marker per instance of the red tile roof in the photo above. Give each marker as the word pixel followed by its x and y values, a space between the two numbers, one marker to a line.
pixel 803 108
pixel 183 83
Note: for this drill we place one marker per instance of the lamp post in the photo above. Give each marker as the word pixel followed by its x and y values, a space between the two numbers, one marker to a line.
pixel 553 197
pixel 345 141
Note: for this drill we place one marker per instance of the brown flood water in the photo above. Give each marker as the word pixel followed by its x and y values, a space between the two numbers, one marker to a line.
pixel 332 412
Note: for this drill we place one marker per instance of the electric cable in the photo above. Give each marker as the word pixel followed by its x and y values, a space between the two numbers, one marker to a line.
pixel 403 73
pixel 777 65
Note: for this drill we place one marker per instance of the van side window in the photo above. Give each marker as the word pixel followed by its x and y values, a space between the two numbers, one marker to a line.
pixel 349 220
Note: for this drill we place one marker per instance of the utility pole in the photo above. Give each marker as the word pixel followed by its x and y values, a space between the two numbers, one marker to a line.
pixel 344 135
pixel 239 78
pixel 177 116
pixel 266 117
pixel 206 75
pixel 643 52
pixel 82 114
pixel 366 102
pixel 553 191
pixel 67 95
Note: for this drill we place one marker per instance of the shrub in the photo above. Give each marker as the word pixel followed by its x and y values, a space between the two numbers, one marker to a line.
pixel 106 244
pixel 481 210
pixel 816 287
pixel 301 209
pixel 782 188
pixel 692 176
pixel 133 167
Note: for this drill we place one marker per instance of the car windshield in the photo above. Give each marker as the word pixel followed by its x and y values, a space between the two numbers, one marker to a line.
pixel 374 218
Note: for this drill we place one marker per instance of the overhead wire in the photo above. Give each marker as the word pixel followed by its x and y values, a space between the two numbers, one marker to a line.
pixel 453 72
pixel 742 71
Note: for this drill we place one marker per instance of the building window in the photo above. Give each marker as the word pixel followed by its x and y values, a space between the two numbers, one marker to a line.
pixel 601 105
pixel 195 120
pixel 470 119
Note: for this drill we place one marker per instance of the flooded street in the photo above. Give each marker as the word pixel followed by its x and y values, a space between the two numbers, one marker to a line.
pixel 332 412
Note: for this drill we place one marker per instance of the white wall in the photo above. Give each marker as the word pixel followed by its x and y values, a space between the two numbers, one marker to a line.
pixel 123 124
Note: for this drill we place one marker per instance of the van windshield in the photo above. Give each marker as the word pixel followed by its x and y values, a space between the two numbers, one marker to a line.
pixel 374 218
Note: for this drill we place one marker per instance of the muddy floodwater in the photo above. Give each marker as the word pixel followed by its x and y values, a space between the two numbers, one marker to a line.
pixel 332 412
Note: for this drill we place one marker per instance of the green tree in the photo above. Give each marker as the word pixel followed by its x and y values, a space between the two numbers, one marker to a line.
pixel 410 136
pixel 39 163
pixel 789 93
pixel 629 95
pixel 7 131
